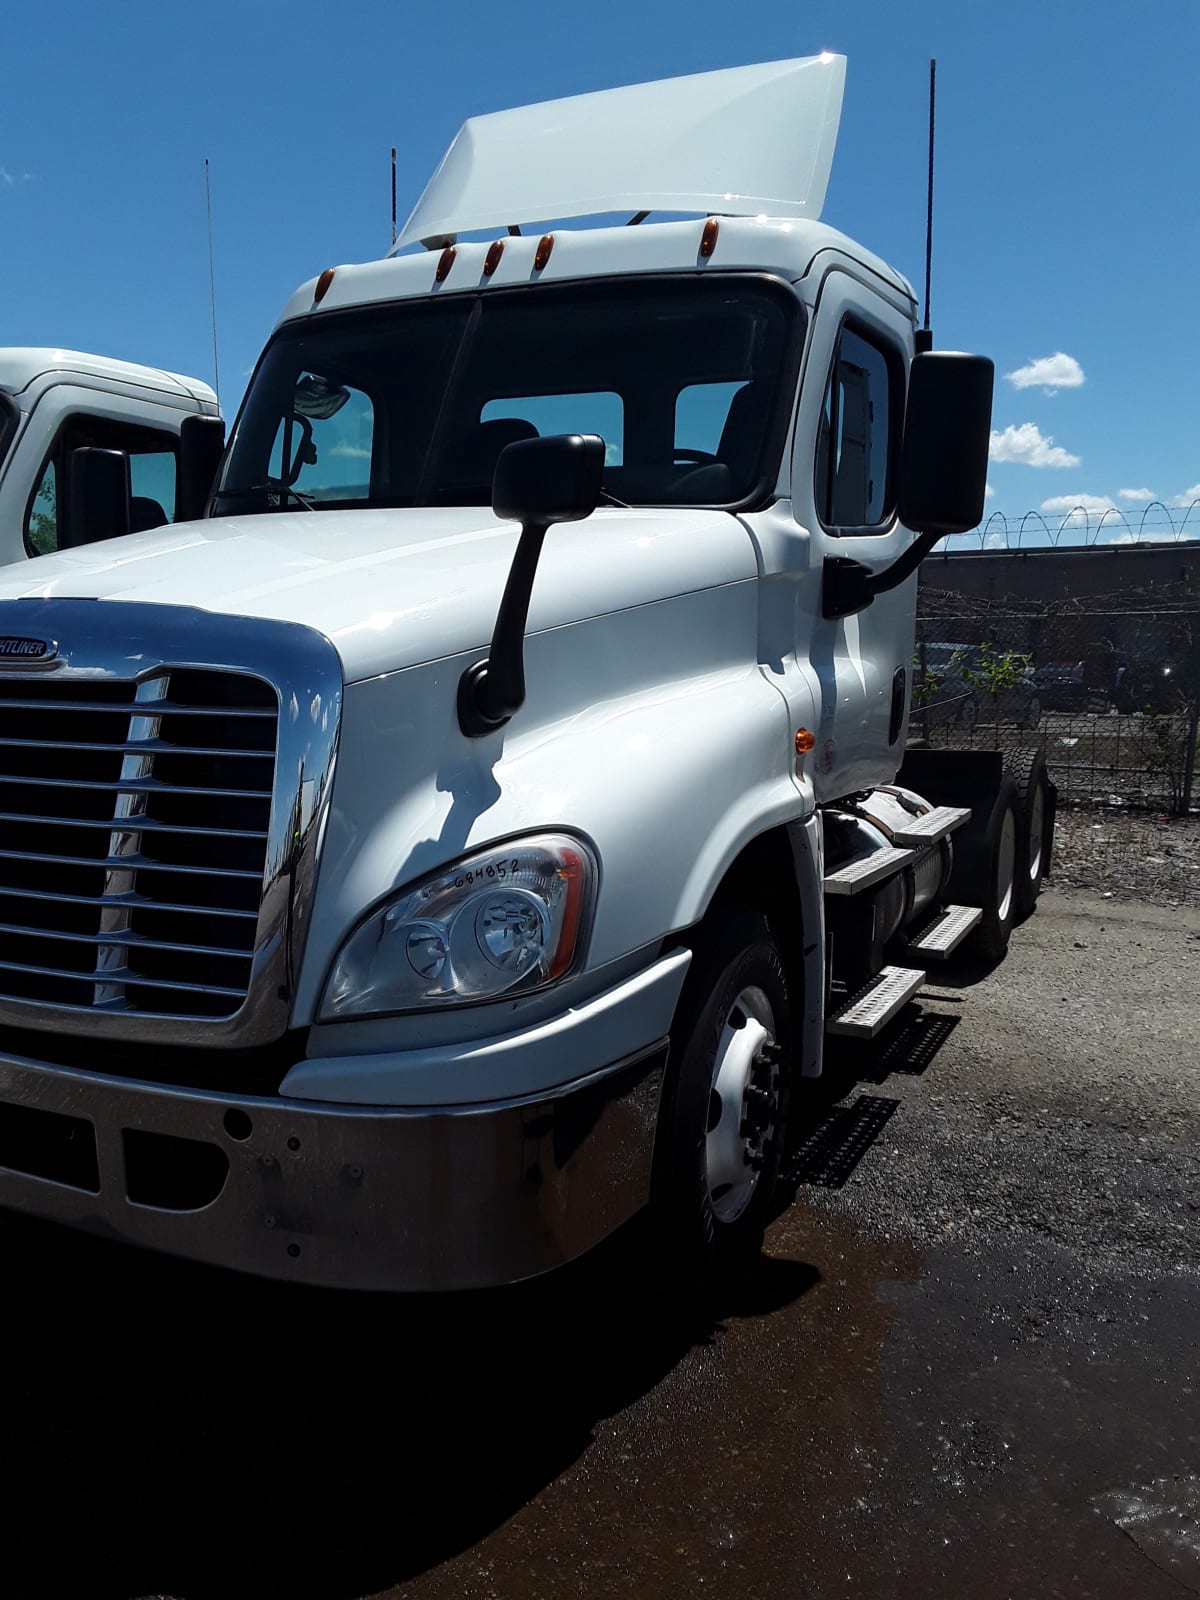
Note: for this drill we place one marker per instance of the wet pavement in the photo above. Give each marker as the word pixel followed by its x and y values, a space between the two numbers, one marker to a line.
pixel 968 1363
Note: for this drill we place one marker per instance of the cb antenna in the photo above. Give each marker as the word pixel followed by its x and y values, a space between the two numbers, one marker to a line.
pixel 212 282
pixel 924 339
pixel 393 197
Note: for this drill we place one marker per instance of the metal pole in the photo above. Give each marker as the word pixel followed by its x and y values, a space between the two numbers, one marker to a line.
pixel 1189 760
pixel 393 196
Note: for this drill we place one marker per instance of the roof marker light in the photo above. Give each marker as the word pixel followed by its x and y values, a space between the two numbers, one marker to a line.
pixel 708 239
pixel 445 262
pixel 322 288
pixel 492 260
pixel 545 245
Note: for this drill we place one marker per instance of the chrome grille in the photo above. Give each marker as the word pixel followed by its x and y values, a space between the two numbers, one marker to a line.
pixel 134 826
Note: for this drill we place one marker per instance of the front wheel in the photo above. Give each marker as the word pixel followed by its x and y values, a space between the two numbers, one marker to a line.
pixel 724 1113
pixel 988 872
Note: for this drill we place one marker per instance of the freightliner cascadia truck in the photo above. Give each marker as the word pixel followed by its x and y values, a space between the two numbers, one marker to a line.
pixel 466 834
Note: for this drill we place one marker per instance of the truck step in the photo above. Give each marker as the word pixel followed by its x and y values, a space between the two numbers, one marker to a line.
pixel 934 825
pixel 945 932
pixel 876 1003
pixel 856 875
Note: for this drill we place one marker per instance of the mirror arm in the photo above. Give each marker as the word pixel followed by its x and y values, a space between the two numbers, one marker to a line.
pixel 493 690
pixel 847 586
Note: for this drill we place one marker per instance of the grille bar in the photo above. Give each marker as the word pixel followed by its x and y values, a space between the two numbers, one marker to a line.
pixel 167 707
pixel 124 938
pixel 147 824
pixel 127 786
pixel 133 899
pixel 115 975
pixel 127 860
pixel 141 747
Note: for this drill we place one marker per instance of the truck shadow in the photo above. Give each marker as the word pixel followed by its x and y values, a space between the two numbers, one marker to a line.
pixel 174 1430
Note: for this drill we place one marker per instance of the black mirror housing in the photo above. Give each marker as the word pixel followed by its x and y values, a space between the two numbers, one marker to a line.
pixel 555 479
pixel 201 446
pixel 947 427
pixel 99 502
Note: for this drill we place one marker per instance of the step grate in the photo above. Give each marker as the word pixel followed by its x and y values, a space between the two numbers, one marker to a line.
pixel 940 937
pixel 876 1003
pixel 868 870
pixel 934 825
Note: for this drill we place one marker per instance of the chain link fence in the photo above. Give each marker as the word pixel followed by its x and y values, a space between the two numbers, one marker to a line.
pixel 1108 685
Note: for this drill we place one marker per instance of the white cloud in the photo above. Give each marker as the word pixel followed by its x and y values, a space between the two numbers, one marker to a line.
pixel 1024 442
pixel 1185 499
pixel 1136 497
pixel 988 492
pixel 1050 373
pixel 355 452
pixel 9 178
pixel 1096 504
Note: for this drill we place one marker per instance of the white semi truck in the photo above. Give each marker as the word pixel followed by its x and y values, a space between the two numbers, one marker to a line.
pixel 467 834
pixel 55 402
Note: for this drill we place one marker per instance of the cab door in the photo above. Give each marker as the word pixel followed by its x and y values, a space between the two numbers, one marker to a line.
pixel 844 471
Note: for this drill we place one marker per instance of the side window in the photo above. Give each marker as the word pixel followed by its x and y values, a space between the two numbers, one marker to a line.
pixel 41 526
pixel 854 465
pixel 601 412
pixel 152 465
pixel 329 441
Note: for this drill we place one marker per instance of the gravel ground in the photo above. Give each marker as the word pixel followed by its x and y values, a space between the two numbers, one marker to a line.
pixel 1129 855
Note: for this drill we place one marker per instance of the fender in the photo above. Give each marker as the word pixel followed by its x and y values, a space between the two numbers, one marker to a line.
pixel 633 771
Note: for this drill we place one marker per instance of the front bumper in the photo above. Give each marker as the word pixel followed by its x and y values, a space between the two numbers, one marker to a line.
pixel 449 1197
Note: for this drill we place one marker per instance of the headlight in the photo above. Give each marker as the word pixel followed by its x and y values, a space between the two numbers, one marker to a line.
pixel 500 923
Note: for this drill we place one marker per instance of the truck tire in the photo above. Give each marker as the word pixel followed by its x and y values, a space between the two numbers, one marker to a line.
pixel 725 1102
pixel 1027 769
pixel 988 872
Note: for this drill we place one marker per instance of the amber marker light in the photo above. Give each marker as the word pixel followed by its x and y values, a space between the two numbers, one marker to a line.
pixel 545 245
pixel 574 875
pixel 805 741
pixel 445 262
pixel 492 260
pixel 322 288
pixel 708 239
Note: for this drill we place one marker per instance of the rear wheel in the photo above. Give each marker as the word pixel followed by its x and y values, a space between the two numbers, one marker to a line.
pixel 721 1129
pixel 1027 769
pixel 988 872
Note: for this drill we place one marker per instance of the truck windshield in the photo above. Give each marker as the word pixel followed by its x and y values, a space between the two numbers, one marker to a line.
pixel 688 381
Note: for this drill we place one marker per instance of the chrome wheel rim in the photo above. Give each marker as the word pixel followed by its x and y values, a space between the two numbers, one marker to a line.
pixel 1006 858
pixel 742 1103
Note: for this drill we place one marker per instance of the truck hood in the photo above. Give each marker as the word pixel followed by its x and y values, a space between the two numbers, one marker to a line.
pixel 393 589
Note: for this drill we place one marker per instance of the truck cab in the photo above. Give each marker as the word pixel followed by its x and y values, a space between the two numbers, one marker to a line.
pixel 54 402
pixel 466 834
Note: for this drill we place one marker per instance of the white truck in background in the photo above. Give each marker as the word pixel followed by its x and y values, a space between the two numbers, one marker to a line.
pixel 54 402
pixel 401 890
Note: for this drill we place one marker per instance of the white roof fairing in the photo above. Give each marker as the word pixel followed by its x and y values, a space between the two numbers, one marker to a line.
pixel 741 142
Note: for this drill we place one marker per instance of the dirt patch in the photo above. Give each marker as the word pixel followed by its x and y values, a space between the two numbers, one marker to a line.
pixel 1129 855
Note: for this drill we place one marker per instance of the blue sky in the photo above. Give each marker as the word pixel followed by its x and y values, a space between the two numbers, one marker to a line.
pixel 1068 230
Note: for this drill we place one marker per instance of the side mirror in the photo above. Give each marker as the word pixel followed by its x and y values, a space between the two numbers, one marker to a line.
pixel 947 426
pixel 537 482
pixel 98 507
pixel 943 473
pixel 556 479
pixel 201 446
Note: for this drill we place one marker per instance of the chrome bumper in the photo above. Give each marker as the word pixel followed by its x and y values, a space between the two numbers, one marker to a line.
pixel 349 1197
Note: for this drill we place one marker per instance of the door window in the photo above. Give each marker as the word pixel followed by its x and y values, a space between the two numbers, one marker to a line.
pixel 857 434
pixel 152 474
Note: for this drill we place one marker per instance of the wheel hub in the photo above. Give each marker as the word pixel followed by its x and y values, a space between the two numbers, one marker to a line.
pixel 743 1103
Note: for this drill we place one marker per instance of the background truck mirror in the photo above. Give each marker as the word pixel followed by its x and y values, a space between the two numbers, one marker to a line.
pixel 98 507
pixel 947 424
pixel 201 446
